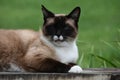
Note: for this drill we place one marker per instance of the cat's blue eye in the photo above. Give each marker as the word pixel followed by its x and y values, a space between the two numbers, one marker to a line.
pixel 68 30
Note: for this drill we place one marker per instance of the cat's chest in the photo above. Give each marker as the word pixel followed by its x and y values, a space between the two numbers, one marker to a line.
pixel 67 54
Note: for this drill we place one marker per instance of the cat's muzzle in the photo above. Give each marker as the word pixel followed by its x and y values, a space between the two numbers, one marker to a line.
pixel 58 38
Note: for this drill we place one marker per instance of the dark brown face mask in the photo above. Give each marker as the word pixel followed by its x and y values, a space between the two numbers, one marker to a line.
pixel 60 27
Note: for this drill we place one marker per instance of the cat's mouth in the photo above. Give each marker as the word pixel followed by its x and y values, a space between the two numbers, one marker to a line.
pixel 58 40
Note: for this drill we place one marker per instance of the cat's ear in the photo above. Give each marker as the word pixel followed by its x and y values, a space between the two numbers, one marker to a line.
pixel 75 14
pixel 46 13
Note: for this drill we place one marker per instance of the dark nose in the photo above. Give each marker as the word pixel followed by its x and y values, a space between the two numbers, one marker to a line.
pixel 58 33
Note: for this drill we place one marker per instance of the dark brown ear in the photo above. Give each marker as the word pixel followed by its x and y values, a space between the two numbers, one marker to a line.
pixel 75 14
pixel 46 13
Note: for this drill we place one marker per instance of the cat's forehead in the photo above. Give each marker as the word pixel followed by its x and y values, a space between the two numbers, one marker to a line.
pixel 60 18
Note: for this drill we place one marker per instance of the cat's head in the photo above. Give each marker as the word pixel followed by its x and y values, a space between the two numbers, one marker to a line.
pixel 60 29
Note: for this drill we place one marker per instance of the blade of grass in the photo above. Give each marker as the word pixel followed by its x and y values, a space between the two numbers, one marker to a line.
pixel 81 59
pixel 91 57
pixel 104 59
pixel 111 46
pixel 117 62
pixel 108 44
pixel 105 64
pixel 90 62
pixel 118 45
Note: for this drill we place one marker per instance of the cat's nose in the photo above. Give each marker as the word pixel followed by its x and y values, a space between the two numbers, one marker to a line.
pixel 58 33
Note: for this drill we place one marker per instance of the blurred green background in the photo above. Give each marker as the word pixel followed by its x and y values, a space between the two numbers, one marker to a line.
pixel 99 26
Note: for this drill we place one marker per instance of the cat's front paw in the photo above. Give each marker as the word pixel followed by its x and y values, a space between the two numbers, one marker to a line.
pixel 75 69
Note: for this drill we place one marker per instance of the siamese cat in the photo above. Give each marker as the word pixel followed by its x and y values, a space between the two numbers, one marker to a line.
pixel 52 49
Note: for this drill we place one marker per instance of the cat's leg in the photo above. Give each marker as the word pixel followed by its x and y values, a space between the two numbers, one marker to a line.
pixel 75 68
pixel 49 65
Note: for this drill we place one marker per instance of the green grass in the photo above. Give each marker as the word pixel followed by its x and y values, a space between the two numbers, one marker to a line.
pixel 99 26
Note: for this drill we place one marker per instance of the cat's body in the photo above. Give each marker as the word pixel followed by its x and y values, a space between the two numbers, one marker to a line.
pixel 49 50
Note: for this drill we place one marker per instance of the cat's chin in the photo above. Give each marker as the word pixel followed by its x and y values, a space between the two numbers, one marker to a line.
pixel 60 43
